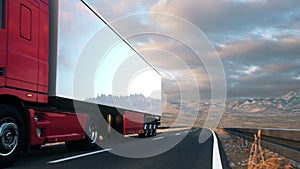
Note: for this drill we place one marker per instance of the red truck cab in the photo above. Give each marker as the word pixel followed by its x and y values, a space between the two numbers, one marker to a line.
pixel 29 116
pixel 24 49
pixel 25 118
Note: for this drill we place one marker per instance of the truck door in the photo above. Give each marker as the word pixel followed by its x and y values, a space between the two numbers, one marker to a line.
pixel 2 41
pixel 23 44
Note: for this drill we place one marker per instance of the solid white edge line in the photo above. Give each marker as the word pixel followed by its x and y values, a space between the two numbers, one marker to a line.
pixel 78 156
pixel 216 161
pixel 158 138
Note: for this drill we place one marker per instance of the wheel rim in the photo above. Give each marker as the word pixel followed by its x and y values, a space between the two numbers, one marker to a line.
pixel 9 137
pixel 154 129
pixel 150 129
pixel 92 131
pixel 146 130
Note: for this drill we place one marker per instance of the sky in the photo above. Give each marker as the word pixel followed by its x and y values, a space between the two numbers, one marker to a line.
pixel 92 59
pixel 257 42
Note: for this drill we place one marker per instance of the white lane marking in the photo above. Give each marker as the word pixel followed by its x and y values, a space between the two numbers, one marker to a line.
pixel 177 134
pixel 216 161
pixel 158 138
pixel 78 156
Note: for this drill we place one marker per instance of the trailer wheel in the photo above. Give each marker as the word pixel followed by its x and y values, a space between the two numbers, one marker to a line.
pixel 91 136
pixel 146 130
pixel 12 134
pixel 154 128
pixel 92 131
pixel 150 130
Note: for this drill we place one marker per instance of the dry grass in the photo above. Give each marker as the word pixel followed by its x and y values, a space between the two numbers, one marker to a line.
pixel 244 154
pixel 264 159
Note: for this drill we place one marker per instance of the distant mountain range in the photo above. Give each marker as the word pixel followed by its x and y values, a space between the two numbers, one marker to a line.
pixel 289 102
pixel 273 112
pixel 137 102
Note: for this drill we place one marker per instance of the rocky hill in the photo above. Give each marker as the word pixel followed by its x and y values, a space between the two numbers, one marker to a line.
pixel 289 102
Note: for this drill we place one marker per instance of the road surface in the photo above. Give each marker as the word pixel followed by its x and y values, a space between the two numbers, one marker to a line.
pixel 172 150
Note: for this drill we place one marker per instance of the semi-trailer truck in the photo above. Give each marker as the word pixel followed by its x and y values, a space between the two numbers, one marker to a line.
pixel 45 92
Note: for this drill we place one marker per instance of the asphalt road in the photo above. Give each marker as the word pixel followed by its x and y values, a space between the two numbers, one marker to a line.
pixel 172 150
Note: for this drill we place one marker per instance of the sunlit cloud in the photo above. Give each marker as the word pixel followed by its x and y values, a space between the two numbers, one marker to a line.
pixel 257 40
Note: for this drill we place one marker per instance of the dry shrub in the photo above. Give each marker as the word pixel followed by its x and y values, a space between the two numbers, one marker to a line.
pixel 265 159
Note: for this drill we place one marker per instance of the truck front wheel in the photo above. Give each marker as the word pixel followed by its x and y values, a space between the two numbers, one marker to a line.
pixel 12 134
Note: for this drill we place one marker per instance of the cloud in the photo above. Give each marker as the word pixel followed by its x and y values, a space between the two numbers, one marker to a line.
pixel 227 16
pixel 116 9
pixel 258 41
pixel 256 50
pixel 259 67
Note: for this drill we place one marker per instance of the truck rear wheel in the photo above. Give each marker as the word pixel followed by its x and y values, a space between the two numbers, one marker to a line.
pixel 12 134
pixel 92 133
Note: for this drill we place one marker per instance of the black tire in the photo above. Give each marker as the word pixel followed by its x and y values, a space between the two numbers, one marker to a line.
pixel 154 128
pixel 36 147
pixel 12 134
pixel 146 130
pixel 150 129
pixel 91 137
